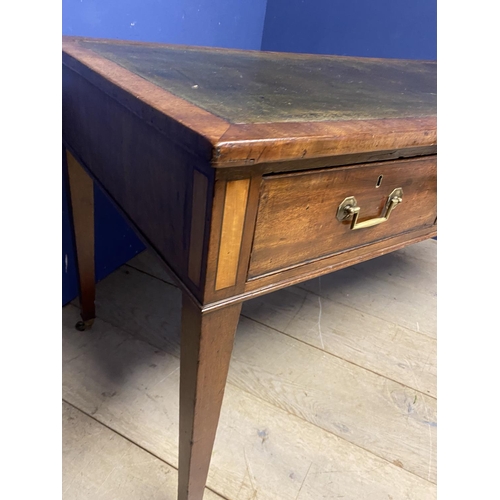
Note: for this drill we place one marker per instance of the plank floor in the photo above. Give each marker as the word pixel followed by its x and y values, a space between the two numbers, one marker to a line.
pixel 331 391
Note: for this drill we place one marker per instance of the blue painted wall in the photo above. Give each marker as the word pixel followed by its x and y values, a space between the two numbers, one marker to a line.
pixel 217 23
pixel 369 28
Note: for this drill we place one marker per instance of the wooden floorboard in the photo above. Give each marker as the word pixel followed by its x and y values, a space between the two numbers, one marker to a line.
pixel 261 452
pixel 99 464
pixel 309 368
pixel 352 333
pixel 397 303
pixel 381 346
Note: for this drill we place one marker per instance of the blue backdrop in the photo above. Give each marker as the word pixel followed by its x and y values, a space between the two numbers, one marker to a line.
pixel 371 28
pixel 375 28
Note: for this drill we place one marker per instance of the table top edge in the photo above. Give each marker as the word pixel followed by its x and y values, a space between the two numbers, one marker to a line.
pixel 252 143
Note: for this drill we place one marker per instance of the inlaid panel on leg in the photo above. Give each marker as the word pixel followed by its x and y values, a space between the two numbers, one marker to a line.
pixel 232 232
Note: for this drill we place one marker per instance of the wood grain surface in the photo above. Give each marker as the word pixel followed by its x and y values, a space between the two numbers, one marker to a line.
pixel 233 220
pixel 206 347
pixel 198 224
pixel 272 142
pixel 297 221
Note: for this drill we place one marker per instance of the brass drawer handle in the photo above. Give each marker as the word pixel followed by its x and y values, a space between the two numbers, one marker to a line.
pixel 349 208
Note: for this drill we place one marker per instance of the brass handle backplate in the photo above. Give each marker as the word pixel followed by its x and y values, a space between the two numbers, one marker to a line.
pixel 349 209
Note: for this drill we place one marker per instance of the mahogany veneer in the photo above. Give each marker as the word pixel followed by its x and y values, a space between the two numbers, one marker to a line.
pixel 239 170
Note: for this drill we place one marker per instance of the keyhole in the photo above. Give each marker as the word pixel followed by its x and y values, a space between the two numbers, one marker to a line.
pixel 379 181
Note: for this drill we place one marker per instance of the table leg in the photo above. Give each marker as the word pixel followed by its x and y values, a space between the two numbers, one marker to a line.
pixel 206 346
pixel 81 194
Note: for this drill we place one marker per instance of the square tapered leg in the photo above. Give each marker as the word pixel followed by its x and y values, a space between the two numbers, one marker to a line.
pixel 206 346
pixel 81 194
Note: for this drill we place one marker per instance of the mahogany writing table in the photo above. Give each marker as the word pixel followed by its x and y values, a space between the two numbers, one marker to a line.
pixel 244 172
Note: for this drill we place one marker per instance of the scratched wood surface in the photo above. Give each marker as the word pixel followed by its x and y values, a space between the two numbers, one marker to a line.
pixel 331 388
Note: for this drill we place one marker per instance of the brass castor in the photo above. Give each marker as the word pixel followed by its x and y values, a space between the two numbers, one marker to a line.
pixel 81 326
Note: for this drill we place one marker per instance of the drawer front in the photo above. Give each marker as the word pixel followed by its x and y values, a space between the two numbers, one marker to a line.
pixel 297 216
